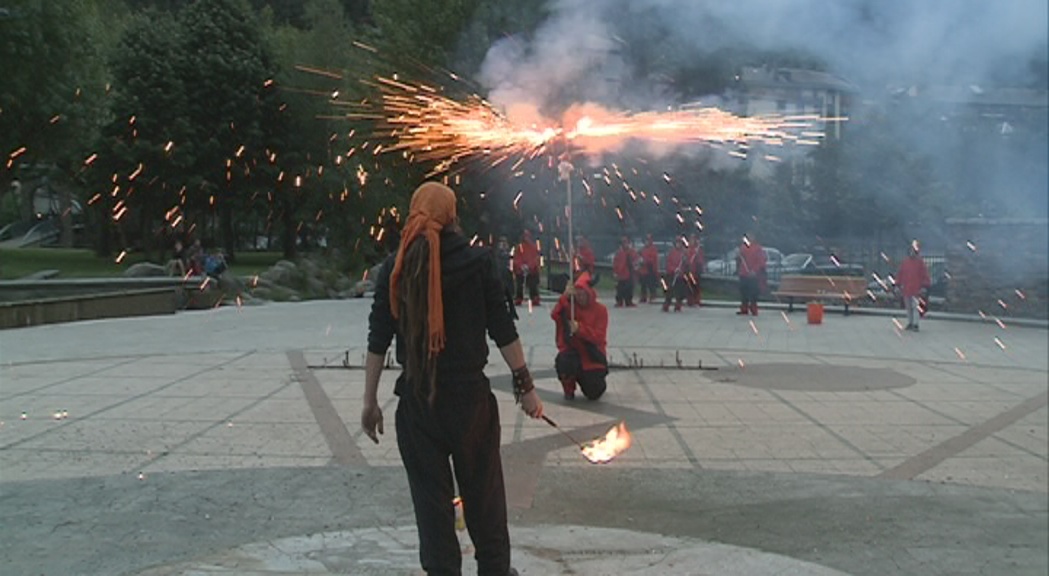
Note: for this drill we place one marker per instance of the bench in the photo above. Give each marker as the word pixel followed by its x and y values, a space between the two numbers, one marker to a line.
pixel 845 289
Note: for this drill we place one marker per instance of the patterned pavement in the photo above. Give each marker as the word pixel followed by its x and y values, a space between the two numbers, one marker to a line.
pixel 902 452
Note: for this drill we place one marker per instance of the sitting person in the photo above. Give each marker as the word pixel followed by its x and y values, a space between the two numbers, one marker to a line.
pixel 215 264
pixel 177 265
pixel 581 341
pixel 195 258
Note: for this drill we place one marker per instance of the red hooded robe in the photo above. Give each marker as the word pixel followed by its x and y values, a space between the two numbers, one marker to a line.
pixel 593 325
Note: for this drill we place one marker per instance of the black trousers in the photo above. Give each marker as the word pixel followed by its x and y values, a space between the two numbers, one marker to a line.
pixel 648 286
pixel 591 382
pixel 677 290
pixel 625 291
pixel 749 290
pixel 467 431
pixel 532 280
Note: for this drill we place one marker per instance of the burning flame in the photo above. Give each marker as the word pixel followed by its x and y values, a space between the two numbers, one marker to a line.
pixel 615 442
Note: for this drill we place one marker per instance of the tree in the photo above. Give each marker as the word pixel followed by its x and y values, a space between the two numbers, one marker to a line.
pixel 228 71
pixel 143 156
pixel 51 62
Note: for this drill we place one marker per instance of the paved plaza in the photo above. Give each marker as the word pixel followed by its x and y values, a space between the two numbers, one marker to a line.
pixel 227 442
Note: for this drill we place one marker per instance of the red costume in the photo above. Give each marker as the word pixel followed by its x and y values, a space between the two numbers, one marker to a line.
pixel 581 356
pixel 674 263
pixel 695 264
pixel 526 255
pixel 912 277
pixel 649 260
pixel 585 260
pixel 624 263
pixel 593 327
pixel 751 260
pixel 649 273
pixel 750 265
pixel 676 277
pixel 526 269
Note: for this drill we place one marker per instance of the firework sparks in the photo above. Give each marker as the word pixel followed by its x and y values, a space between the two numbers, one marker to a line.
pixel 426 122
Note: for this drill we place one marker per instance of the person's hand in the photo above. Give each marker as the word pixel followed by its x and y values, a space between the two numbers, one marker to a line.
pixel 573 326
pixel 569 290
pixel 371 421
pixel 531 404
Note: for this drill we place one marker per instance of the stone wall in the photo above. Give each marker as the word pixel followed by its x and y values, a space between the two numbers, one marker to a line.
pixel 145 302
pixel 999 267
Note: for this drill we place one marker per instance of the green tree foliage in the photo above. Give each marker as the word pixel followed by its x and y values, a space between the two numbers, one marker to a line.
pixel 308 139
pixel 425 32
pixel 150 118
pixel 52 82
pixel 227 73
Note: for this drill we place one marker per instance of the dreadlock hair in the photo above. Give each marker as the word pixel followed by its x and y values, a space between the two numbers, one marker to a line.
pixel 420 368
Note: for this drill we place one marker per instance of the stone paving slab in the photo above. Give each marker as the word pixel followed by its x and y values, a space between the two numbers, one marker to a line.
pixel 877 417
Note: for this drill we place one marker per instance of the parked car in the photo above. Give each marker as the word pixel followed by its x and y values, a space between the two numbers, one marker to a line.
pixel 726 266
pixel 798 263
pixel 43 233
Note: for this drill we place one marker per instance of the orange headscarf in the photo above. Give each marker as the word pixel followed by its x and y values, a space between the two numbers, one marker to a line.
pixel 432 208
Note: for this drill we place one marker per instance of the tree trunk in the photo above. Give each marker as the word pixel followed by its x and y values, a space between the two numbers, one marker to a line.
pixel 288 234
pixel 65 204
pixel 229 240
pixel 103 242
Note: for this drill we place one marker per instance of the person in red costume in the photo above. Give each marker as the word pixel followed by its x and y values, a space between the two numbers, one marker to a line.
pixel 585 259
pixel 750 266
pixel 675 276
pixel 624 268
pixel 697 262
pixel 913 281
pixel 649 273
pixel 526 269
pixel 581 338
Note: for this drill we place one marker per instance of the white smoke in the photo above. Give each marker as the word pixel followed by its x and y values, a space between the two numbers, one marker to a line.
pixel 880 46
pixel 874 43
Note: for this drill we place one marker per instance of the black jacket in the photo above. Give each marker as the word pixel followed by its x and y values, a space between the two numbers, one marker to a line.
pixel 474 304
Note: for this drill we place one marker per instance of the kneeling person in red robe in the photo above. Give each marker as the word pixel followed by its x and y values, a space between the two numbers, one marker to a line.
pixel 581 356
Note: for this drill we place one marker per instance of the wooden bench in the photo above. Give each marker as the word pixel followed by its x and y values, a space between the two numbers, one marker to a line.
pixel 845 289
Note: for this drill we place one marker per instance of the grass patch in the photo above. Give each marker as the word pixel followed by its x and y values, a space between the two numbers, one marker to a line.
pixel 83 263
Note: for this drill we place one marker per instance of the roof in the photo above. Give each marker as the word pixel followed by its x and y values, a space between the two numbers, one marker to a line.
pixel 793 78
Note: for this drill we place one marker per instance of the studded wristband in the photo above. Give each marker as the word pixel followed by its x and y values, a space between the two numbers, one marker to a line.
pixel 523 383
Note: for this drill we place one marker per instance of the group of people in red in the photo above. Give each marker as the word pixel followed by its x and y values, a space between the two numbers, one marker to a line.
pixel 581 321
pixel 680 278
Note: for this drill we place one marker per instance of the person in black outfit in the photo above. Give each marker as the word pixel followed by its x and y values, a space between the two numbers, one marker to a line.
pixel 440 296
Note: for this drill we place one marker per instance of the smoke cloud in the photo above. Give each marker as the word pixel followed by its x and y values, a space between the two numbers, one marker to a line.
pixel 875 44
pixel 882 47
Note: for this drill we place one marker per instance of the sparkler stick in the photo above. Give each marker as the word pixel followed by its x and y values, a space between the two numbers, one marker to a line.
pixel 564 172
pixel 561 430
